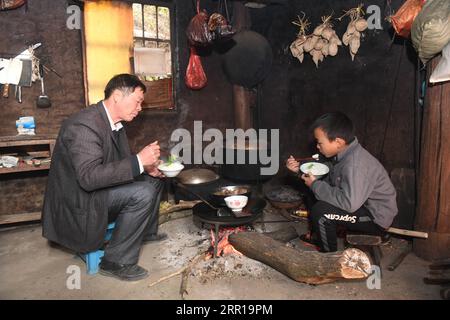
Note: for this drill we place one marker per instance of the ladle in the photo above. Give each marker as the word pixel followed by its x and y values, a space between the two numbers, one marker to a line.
pixel 43 101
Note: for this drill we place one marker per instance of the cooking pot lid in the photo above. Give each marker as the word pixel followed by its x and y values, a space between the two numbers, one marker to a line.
pixel 197 176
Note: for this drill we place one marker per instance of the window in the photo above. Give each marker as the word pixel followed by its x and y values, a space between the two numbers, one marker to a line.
pixel 152 35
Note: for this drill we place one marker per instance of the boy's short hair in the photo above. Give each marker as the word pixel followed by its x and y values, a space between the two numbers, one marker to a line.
pixel 335 125
pixel 124 82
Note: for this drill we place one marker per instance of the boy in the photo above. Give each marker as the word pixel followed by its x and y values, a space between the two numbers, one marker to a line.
pixel 357 193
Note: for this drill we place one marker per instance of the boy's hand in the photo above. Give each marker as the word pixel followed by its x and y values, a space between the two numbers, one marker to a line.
pixel 309 179
pixel 292 165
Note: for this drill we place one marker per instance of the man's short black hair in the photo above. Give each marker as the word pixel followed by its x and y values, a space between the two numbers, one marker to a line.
pixel 124 82
pixel 335 125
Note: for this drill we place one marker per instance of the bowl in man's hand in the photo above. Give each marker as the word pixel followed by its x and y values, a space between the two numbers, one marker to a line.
pixel 171 169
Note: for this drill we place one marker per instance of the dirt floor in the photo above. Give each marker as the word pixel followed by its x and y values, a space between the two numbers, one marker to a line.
pixel 31 268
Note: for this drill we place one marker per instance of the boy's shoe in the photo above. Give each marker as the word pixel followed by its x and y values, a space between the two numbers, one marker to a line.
pixel 385 239
pixel 155 237
pixel 126 272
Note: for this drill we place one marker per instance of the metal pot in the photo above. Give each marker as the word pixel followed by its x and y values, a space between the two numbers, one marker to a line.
pixel 199 181
pixel 247 172
pixel 218 195
pixel 197 176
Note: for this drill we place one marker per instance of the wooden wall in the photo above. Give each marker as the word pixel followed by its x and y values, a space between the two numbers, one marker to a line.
pixel 433 212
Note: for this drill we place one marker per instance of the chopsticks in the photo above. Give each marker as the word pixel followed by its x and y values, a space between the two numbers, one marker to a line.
pixel 304 159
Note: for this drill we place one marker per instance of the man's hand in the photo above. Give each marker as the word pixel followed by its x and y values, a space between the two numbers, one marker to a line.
pixel 309 179
pixel 153 170
pixel 149 155
pixel 292 165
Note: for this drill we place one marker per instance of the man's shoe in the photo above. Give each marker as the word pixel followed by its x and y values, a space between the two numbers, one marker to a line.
pixel 155 237
pixel 126 272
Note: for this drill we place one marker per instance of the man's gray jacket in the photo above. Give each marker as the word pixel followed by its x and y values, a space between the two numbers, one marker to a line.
pixel 87 160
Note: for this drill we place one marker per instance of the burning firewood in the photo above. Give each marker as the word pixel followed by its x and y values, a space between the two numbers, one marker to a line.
pixel 223 246
pixel 304 266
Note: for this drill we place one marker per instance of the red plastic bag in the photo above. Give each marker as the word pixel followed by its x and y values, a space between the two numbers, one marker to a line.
pixel 195 76
pixel 11 4
pixel 403 19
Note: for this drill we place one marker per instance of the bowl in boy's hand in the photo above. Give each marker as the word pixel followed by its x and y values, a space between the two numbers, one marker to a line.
pixel 317 169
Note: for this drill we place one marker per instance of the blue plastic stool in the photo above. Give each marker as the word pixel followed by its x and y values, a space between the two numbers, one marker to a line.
pixel 93 258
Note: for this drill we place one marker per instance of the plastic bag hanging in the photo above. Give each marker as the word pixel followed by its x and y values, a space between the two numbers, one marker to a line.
pixel 197 31
pixel 195 76
pixel 403 19
pixel 220 26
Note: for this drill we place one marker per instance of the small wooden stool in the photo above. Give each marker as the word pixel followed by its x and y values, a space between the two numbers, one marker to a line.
pixel 371 242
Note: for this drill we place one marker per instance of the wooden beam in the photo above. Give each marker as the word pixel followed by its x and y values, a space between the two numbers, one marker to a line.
pixel 20 217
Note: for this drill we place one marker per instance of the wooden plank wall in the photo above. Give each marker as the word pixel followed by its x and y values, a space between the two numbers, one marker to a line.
pixel 433 211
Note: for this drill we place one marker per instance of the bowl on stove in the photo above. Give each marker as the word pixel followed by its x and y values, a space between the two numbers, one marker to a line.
pixel 219 194
pixel 236 203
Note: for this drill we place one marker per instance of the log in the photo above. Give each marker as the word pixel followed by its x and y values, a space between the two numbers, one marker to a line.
pixel 170 213
pixel 183 205
pixel 311 267
pixel 441 264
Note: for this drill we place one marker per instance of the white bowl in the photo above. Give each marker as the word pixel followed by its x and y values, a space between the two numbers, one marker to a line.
pixel 236 203
pixel 171 170
pixel 315 168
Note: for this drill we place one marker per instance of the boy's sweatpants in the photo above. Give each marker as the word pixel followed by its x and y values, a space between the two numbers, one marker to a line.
pixel 324 219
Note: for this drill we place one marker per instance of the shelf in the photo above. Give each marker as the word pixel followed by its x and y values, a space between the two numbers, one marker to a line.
pixel 19 217
pixel 23 167
pixel 28 138
pixel 38 146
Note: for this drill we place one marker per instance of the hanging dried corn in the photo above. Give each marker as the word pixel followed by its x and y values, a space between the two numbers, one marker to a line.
pixel 352 37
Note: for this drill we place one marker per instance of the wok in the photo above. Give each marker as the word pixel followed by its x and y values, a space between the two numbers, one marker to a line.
pixel 197 176
pixel 218 195
pixel 204 184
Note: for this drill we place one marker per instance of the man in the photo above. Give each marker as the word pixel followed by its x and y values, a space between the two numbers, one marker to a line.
pixel 94 180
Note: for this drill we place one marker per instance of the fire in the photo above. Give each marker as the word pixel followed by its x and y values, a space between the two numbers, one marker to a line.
pixel 224 247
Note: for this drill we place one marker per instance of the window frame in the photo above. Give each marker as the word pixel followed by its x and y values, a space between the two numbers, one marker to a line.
pixel 171 5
